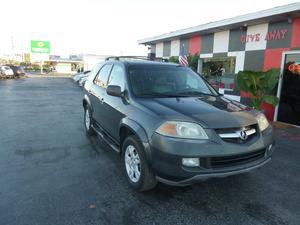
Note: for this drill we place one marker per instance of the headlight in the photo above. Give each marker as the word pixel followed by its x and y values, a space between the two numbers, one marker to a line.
pixel 182 130
pixel 262 121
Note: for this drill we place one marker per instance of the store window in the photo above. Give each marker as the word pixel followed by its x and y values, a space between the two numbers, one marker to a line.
pixel 219 71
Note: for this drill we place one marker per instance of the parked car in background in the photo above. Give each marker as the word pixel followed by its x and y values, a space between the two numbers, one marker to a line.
pixel 6 70
pixel 18 70
pixel 77 76
pixel 82 80
pixel 170 125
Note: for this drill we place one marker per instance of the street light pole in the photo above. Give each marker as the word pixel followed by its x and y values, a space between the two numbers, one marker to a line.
pixel 41 63
pixel 12 48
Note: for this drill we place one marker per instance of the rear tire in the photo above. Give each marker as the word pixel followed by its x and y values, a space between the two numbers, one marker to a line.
pixel 139 175
pixel 88 122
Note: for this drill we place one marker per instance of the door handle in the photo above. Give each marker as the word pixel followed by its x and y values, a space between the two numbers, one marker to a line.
pixel 101 99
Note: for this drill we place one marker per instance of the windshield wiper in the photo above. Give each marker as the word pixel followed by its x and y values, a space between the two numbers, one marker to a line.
pixel 162 95
pixel 193 93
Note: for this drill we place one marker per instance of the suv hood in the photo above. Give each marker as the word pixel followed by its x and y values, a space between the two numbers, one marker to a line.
pixel 209 111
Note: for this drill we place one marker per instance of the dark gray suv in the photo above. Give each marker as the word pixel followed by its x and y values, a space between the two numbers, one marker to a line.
pixel 170 125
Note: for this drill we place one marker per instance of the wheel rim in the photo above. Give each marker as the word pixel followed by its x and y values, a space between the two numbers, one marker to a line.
pixel 87 119
pixel 132 163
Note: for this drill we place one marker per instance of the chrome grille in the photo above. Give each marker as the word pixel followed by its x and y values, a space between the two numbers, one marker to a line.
pixel 238 135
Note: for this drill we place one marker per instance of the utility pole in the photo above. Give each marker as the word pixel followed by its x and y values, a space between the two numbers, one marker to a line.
pixel 22 52
pixel 12 48
pixel 41 63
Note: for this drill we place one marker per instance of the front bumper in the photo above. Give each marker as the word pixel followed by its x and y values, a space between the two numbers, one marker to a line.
pixel 202 177
pixel 217 158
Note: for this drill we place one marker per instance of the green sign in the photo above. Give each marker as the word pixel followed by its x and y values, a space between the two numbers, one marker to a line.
pixel 40 47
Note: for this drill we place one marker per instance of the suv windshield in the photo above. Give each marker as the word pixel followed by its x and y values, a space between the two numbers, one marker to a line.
pixel 167 81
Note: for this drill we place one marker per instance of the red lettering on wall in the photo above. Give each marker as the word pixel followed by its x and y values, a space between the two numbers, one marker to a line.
pixel 257 37
pixel 278 35
pixel 271 35
pixel 243 39
pixel 283 32
pixel 252 37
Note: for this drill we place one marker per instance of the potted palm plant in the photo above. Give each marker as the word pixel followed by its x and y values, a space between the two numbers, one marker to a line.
pixel 260 85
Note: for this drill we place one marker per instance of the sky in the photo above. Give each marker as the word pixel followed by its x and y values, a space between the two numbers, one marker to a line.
pixel 109 27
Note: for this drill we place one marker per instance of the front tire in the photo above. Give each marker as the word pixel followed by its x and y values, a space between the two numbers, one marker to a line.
pixel 88 122
pixel 138 173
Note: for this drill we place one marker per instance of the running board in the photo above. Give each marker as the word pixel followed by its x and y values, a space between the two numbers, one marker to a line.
pixel 106 139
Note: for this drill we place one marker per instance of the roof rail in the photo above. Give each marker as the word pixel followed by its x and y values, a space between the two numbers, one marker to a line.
pixel 161 59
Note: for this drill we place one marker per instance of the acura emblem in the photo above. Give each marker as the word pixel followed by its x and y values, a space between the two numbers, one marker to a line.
pixel 243 135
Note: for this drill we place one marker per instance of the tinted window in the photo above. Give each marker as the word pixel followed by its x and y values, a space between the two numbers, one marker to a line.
pixel 165 81
pixel 101 79
pixel 117 77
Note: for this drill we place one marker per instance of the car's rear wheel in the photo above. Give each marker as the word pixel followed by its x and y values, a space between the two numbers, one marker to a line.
pixel 138 173
pixel 88 121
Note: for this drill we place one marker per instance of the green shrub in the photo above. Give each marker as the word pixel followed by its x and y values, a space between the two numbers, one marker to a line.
pixel 259 85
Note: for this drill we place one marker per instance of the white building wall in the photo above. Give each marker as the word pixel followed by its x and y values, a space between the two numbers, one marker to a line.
pixel 207 55
pixel 239 61
pixel 175 47
pixel 159 49
pixel 89 60
pixel 253 42
pixel 221 41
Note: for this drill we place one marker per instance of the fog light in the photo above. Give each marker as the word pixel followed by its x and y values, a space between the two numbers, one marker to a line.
pixel 270 147
pixel 268 152
pixel 191 162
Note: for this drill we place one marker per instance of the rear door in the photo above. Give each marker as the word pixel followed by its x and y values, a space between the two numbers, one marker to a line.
pixel 90 86
pixel 99 92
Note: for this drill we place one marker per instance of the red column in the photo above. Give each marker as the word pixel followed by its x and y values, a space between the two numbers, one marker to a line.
pixel 295 42
pixel 195 45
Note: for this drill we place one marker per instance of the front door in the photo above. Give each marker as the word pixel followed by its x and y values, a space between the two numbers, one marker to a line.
pixel 289 104
pixel 115 107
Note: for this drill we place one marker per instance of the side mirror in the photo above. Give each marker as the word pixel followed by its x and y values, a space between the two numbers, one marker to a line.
pixel 114 90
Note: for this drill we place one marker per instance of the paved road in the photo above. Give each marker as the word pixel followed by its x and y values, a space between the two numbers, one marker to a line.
pixel 51 173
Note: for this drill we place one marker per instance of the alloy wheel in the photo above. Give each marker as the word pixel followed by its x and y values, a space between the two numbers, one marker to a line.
pixel 132 163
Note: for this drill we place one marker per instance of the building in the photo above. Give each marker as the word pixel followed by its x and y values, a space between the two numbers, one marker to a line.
pixel 257 41
pixel 90 60
pixel 75 63
pixel 64 65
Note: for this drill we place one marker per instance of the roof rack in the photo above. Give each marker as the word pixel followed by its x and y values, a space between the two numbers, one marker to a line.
pixel 160 59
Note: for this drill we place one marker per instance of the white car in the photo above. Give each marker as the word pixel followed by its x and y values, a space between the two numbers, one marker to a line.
pixel 82 80
pixel 6 70
pixel 78 76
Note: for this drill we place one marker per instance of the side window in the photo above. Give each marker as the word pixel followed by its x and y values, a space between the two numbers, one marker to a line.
pixel 93 73
pixel 95 70
pixel 101 79
pixel 117 77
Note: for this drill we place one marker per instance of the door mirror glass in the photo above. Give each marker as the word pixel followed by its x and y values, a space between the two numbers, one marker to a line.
pixel 114 90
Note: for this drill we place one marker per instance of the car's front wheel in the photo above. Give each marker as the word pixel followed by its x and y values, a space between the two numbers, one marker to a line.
pixel 138 173
pixel 88 121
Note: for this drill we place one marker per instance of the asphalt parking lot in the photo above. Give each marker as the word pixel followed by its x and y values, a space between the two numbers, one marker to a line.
pixel 51 173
